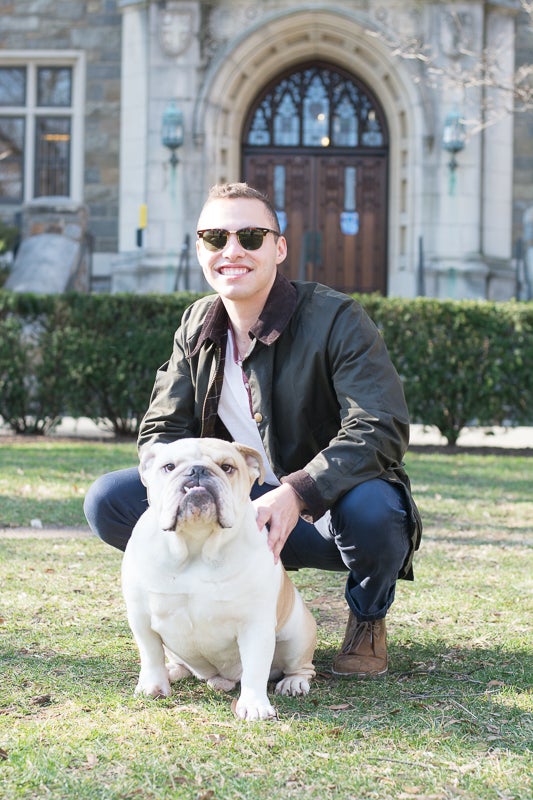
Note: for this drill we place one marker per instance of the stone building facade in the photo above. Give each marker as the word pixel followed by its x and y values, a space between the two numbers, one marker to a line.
pixel 337 109
pixel 78 43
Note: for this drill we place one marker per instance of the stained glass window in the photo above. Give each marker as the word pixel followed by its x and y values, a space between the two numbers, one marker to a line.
pixel 319 107
pixel 286 122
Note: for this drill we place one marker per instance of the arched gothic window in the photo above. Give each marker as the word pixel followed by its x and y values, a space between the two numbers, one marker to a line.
pixel 316 106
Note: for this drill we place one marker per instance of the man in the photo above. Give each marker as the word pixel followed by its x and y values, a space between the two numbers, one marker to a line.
pixel 299 372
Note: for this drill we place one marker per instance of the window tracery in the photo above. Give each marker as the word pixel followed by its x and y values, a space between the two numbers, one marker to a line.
pixel 316 106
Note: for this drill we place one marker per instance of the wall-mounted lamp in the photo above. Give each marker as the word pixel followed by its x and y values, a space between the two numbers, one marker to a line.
pixel 453 140
pixel 172 130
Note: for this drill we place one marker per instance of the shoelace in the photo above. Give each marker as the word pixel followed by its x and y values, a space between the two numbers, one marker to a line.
pixel 360 632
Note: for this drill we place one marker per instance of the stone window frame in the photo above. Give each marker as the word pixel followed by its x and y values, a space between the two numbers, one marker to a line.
pixel 30 112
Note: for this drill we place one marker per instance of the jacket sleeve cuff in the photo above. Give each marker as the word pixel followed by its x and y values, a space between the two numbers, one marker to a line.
pixel 305 487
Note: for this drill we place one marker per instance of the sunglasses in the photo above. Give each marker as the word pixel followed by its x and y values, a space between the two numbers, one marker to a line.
pixel 249 238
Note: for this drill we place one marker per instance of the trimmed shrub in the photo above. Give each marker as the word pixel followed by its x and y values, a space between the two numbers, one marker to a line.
pixel 114 344
pixel 461 362
pixel 32 385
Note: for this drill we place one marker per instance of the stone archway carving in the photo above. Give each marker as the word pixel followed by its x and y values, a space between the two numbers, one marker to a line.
pixel 262 52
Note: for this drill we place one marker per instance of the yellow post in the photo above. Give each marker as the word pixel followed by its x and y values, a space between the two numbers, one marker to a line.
pixel 143 216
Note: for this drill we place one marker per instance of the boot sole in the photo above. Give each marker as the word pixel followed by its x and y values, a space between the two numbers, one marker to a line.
pixel 360 675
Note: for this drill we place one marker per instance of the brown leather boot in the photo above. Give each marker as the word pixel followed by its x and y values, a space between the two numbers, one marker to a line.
pixel 364 650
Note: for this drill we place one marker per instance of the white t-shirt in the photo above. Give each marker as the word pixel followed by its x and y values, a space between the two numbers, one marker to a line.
pixel 235 412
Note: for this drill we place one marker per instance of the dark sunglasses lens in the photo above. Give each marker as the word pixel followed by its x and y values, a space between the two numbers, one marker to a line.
pixel 251 238
pixel 215 240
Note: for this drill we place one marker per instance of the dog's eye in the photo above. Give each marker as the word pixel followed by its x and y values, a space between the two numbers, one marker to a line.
pixel 229 469
pixel 169 467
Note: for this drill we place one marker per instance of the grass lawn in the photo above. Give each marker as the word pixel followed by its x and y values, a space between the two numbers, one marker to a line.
pixel 453 718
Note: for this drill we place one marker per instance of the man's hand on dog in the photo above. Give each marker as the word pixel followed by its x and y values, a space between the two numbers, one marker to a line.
pixel 280 510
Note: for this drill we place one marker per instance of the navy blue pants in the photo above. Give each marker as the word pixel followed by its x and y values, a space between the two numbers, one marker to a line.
pixel 369 534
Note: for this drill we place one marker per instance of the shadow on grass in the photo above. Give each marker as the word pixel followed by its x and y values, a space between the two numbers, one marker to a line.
pixel 472 694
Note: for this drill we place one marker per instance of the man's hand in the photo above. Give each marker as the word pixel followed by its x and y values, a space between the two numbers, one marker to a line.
pixel 280 510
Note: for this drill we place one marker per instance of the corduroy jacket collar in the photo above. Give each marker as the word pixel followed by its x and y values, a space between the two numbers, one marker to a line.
pixel 275 316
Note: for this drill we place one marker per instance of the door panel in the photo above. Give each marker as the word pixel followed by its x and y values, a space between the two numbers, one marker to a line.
pixel 334 207
pixel 259 172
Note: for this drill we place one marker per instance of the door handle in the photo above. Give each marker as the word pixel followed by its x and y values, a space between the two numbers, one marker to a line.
pixel 310 253
pixel 317 259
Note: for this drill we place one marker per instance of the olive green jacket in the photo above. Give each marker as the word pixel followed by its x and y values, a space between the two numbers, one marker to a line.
pixel 326 398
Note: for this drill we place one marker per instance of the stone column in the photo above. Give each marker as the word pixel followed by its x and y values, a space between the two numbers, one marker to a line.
pixel 133 120
pixel 160 64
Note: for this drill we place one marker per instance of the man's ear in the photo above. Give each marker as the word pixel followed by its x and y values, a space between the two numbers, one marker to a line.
pixel 254 462
pixel 281 250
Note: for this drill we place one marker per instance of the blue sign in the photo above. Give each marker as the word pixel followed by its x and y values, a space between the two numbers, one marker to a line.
pixel 282 220
pixel 350 223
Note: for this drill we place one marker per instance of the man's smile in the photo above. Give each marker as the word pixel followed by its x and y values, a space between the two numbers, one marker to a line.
pixel 232 271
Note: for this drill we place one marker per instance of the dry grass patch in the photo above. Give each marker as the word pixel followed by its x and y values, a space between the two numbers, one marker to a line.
pixel 451 721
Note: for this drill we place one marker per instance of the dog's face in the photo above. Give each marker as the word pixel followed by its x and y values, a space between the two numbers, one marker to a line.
pixel 199 480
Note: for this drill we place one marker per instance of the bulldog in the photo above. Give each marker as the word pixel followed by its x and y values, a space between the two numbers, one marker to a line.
pixel 203 594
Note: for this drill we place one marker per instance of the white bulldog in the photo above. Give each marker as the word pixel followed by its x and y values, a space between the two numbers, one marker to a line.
pixel 201 586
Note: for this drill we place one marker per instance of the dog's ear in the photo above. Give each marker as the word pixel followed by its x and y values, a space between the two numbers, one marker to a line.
pixel 147 456
pixel 254 462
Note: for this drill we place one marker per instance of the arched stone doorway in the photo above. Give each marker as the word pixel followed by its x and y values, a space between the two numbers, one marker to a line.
pixel 316 141
pixel 334 37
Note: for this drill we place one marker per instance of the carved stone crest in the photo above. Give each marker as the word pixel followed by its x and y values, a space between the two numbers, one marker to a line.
pixel 456 33
pixel 176 28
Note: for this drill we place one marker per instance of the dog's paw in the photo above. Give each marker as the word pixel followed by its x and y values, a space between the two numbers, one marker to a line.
pixel 253 710
pixel 221 684
pixel 153 691
pixel 153 687
pixel 293 685
pixel 176 672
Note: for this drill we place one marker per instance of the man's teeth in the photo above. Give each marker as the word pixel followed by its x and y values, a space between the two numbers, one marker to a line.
pixel 230 271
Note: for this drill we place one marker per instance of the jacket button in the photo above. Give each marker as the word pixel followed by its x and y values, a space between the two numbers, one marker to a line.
pixel 258 417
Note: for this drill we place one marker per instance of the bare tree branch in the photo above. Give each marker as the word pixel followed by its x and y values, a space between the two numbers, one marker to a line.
pixel 471 70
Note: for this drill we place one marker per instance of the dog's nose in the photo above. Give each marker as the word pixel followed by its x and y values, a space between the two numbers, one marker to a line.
pixel 195 474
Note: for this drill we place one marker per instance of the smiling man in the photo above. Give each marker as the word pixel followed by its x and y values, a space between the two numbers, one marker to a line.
pixel 300 373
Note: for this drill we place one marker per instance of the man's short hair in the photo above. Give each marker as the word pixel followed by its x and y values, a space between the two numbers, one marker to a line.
pixel 237 191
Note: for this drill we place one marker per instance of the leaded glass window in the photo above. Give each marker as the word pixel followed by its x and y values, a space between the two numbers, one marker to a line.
pixel 11 158
pixel 318 107
pixel 12 86
pixel 52 156
pixel 54 86
pixel 36 125
pixel 316 113
pixel 286 122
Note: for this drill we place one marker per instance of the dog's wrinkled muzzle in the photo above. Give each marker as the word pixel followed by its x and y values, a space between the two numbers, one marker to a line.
pixel 196 494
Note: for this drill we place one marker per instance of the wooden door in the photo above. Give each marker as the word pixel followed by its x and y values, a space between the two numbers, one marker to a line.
pixel 316 142
pixel 333 212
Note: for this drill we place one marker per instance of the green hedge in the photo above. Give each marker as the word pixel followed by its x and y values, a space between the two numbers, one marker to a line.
pixel 95 356
pixel 462 362
pixel 82 355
